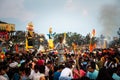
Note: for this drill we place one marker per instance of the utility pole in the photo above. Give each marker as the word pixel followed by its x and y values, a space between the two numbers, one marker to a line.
pixel 118 32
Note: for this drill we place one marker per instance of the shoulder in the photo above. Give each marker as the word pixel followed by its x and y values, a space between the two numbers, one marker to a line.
pixel 2 78
pixel 115 76
pixel 96 72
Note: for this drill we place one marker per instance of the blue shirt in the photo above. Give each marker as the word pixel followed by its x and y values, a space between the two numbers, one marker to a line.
pixel 56 75
pixel 115 76
pixel 92 75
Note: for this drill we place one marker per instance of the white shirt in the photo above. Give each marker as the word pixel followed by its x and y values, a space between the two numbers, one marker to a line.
pixel 36 76
pixel 31 74
pixel 66 72
pixel 2 78
pixel 47 71
pixel 13 65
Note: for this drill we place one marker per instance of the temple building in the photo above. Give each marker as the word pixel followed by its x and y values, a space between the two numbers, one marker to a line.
pixel 6 30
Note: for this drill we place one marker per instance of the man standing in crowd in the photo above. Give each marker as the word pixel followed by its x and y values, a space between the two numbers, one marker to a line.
pixel 60 48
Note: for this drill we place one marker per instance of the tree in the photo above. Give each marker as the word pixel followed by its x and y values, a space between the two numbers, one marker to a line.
pixel 73 37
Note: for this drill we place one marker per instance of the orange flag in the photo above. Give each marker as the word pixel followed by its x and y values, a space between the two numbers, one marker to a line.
pixel 93 32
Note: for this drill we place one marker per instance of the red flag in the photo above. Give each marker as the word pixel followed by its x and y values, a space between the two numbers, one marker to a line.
pixel 16 48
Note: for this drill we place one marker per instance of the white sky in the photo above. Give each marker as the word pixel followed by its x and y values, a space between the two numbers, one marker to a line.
pixel 79 16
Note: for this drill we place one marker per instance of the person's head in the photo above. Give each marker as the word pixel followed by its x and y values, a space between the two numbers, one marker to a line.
pixel 27 71
pixel 48 64
pixel 89 68
pixel 2 71
pixel 93 65
pixel 69 65
pixel 42 77
pixel 104 74
pixel 36 68
pixel 60 39
pixel 42 69
pixel 60 67
pixel 84 78
pixel 6 68
pixel 3 68
pixel 35 60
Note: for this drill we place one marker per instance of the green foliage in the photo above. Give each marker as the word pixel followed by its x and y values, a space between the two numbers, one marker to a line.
pixel 74 37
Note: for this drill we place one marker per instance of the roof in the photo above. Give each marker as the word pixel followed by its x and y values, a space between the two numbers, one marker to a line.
pixel 3 22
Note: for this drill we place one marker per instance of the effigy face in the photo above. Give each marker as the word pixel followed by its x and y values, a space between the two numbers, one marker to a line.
pixel 30 28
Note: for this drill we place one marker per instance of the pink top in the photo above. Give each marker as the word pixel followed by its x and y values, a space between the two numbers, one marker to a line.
pixel 81 72
pixel 40 62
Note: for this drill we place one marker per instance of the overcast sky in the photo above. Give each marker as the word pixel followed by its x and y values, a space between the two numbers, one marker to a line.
pixel 79 16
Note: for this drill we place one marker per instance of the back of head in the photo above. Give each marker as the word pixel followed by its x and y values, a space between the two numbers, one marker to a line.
pixel 68 65
pixel 93 65
pixel 60 67
pixel 104 74
pixel 60 39
pixel 84 78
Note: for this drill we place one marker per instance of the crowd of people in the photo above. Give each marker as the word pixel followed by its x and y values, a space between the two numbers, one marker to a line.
pixel 101 64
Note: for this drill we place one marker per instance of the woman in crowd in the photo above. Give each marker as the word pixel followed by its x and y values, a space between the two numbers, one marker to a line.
pixel 78 72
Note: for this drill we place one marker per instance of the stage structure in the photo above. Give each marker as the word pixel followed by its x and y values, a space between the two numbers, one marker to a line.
pixel 6 30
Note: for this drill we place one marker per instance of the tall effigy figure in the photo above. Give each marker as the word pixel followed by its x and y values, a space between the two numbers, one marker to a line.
pixel 29 36
pixel 51 36
pixel 92 44
pixel 60 47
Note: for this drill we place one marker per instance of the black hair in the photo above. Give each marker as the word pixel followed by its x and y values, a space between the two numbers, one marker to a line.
pixel 93 65
pixel 69 65
pixel 27 71
pixel 104 74
pixel 42 69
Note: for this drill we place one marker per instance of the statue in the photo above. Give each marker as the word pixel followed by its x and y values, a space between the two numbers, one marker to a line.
pixel 51 36
pixel 29 36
